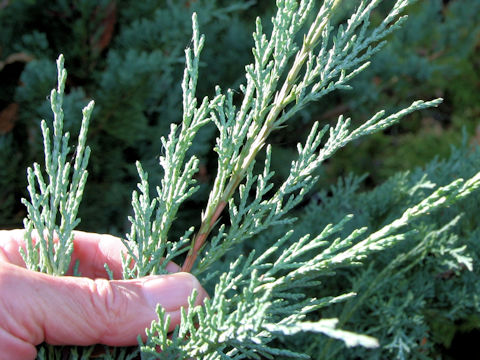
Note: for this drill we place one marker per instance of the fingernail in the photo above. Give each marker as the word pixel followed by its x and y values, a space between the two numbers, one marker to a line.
pixel 170 291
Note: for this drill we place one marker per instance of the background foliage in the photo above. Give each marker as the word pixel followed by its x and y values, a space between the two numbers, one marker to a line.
pixel 128 56
pixel 419 298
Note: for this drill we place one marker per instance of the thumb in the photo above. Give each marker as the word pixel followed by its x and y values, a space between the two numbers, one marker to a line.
pixel 36 307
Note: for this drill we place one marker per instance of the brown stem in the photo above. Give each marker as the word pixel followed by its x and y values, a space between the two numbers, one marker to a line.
pixel 202 235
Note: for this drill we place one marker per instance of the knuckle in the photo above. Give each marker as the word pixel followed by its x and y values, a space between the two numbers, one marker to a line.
pixel 109 304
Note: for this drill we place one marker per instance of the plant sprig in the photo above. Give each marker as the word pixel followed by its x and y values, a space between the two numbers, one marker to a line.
pixel 324 62
pixel 54 199
pixel 263 296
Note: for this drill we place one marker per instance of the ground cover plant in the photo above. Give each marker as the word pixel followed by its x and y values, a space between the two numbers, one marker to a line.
pixel 261 299
pixel 434 54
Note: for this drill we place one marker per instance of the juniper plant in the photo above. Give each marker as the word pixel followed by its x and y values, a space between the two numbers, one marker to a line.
pixel 258 297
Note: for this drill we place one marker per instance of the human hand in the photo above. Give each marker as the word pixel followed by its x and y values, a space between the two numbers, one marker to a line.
pixel 67 310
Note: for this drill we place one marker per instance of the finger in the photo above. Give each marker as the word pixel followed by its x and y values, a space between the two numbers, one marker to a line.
pixel 10 242
pixel 90 249
pixel 94 250
pixel 35 307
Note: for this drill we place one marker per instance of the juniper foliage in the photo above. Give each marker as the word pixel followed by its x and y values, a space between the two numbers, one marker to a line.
pixel 129 58
pixel 263 296
pixel 434 52
pixel 416 296
pixel 54 201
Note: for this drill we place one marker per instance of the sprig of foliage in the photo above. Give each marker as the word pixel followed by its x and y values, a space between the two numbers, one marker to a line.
pixel 147 238
pixel 256 300
pixel 414 294
pixel 54 201
pixel 277 89
pixel 261 296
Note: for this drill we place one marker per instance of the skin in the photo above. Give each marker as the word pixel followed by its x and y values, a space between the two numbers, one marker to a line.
pixel 36 307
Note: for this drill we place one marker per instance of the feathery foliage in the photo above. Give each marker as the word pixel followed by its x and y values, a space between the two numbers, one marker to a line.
pixel 54 203
pixel 260 297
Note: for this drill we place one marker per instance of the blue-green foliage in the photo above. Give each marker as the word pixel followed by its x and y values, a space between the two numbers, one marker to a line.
pixel 134 79
pixel 435 52
pixel 412 297
pixel 415 296
pixel 442 38
pixel 129 57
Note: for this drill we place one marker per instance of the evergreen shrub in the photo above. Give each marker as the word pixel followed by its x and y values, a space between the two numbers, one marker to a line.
pixel 365 274
pixel 126 55
pixel 435 53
